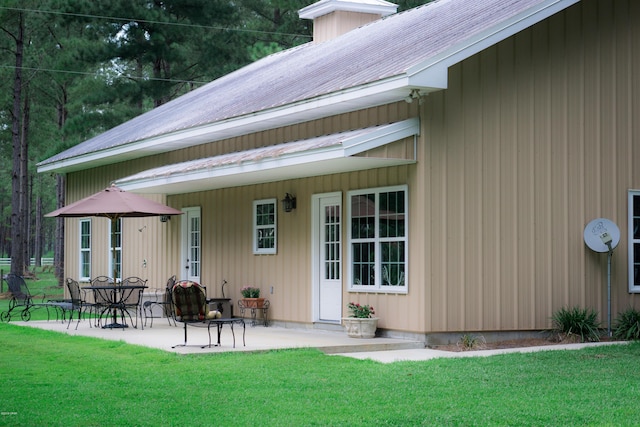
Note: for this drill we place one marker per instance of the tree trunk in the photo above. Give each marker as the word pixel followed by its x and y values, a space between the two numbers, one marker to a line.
pixel 58 249
pixel 25 188
pixel 37 251
pixel 17 253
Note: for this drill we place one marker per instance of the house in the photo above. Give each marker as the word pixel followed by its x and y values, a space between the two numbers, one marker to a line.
pixel 444 162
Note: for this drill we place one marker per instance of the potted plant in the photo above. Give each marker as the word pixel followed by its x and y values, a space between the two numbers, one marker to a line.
pixel 360 323
pixel 251 297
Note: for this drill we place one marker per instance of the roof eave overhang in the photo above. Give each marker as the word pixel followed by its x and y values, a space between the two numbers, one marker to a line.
pixel 320 163
pixel 353 99
pixel 339 158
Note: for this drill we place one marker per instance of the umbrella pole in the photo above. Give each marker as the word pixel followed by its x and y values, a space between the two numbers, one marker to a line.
pixel 113 250
pixel 115 323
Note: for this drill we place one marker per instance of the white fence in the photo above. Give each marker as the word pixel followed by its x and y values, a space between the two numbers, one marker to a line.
pixel 6 262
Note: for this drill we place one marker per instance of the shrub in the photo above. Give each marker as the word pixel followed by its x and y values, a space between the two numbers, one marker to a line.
pixel 582 322
pixel 627 325
pixel 470 342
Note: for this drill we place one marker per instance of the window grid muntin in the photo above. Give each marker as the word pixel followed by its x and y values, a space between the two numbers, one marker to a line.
pixel 634 241
pixel 372 266
pixel 265 226
pixel 332 243
pixel 85 249
pixel 115 234
pixel 194 247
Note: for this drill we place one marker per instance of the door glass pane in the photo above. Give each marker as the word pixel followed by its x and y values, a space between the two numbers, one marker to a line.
pixel 332 243
pixel 194 251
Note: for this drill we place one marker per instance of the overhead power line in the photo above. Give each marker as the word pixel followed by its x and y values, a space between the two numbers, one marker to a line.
pixel 147 21
pixel 126 76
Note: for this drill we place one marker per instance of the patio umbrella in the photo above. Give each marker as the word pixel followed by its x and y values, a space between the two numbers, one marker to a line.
pixel 114 203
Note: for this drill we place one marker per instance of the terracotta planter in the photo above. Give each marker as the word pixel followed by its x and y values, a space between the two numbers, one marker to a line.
pixel 360 328
pixel 253 302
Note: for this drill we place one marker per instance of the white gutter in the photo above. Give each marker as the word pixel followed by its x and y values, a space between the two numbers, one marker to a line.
pixel 377 93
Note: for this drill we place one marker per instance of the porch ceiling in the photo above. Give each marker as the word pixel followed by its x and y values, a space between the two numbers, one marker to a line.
pixel 298 159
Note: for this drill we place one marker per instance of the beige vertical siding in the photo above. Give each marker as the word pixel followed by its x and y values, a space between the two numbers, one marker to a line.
pixel 332 25
pixel 532 139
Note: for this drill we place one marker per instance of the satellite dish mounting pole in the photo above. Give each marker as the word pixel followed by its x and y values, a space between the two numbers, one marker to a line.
pixel 609 254
pixel 603 235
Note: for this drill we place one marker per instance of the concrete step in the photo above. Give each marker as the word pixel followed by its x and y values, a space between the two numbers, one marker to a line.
pixel 371 345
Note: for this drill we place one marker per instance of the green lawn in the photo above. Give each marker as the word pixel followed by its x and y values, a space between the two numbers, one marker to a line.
pixel 53 379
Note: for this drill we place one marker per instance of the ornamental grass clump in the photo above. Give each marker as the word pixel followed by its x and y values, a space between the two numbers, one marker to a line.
pixel 361 311
pixel 471 342
pixel 627 325
pixel 250 292
pixel 576 321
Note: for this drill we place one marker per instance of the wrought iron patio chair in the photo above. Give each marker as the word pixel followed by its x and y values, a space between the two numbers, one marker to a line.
pixel 166 304
pixel 131 299
pixel 103 300
pixel 78 302
pixel 23 301
pixel 191 308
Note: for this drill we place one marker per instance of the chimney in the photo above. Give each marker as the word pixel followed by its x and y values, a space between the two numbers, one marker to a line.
pixel 332 18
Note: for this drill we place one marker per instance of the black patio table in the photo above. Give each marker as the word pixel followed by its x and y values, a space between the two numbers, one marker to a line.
pixel 116 295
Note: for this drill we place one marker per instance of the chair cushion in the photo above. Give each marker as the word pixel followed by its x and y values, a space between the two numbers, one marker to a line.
pixel 214 314
pixel 190 301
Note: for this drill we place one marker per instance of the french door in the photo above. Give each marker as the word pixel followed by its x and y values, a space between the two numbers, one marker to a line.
pixel 191 243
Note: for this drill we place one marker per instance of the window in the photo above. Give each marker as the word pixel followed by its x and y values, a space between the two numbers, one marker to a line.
pixel 378 239
pixel 634 241
pixel 115 240
pixel 264 226
pixel 85 250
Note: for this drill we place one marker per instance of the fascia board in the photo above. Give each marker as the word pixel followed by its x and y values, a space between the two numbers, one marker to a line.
pixel 384 135
pixel 261 165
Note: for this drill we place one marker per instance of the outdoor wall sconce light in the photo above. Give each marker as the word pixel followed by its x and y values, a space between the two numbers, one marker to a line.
pixel 289 203
pixel 164 218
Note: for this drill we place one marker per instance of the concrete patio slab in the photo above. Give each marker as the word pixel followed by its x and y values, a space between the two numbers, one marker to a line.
pixel 257 338
pixel 260 338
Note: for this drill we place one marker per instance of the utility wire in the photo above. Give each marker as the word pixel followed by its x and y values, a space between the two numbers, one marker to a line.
pixel 50 70
pixel 115 18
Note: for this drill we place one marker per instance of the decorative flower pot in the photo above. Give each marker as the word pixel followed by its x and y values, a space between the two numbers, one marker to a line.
pixel 360 327
pixel 253 302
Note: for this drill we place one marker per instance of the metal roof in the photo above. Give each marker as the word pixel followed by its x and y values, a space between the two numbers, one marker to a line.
pixel 310 157
pixel 372 65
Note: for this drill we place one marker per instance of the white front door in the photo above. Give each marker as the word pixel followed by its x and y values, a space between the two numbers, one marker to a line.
pixel 328 257
pixel 191 244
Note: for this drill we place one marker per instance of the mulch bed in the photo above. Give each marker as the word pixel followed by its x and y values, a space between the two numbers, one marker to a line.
pixel 519 343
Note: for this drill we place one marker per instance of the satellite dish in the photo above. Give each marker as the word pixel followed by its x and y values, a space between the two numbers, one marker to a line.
pixel 602 235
